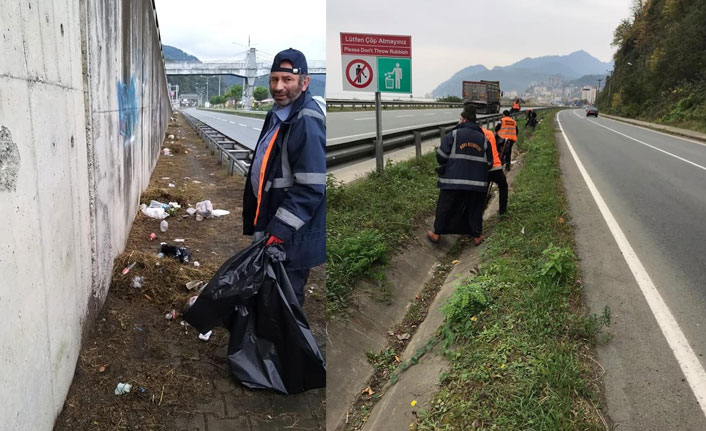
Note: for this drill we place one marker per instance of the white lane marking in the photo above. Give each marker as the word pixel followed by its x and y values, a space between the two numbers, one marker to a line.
pixel 244 125
pixel 688 362
pixel 657 131
pixel 366 118
pixel 255 128
pixel 648 145
pixel 433 113
pixel 232 122
pixel 402 116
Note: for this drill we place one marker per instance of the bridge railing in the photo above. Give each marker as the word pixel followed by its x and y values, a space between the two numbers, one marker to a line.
pixel 235 154
pixel 343 103
pixel 342 150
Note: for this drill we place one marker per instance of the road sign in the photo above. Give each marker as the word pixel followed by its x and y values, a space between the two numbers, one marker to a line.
pixel 376 62
pixel 394 75
pixel 359 73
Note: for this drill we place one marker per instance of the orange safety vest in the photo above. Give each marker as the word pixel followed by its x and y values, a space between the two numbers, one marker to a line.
pixel 490 136
pixel 508 129
pixel 263 168
pixel 516 105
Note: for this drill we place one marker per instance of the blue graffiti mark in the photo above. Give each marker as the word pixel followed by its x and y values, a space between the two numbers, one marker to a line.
pixel 127 108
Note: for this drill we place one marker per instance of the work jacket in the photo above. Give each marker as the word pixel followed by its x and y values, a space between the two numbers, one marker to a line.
pixel 464 157
pixel 516 106
pixel 490 136
pixel 508 129
pixel 292 204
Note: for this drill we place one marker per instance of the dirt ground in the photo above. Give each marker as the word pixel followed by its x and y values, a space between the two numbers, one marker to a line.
pixel 178 381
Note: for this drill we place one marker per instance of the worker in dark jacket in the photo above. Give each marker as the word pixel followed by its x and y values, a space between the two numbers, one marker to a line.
pixel 285 190
pixel 507 130
pixel 464 158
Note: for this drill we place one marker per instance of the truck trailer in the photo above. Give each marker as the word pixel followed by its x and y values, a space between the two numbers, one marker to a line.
pixel 484 95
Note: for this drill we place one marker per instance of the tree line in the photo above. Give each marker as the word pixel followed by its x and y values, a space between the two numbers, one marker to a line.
pixel 660 64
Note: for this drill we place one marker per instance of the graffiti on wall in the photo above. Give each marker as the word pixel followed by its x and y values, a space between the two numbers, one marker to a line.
pixel 9 161
pixel 128 109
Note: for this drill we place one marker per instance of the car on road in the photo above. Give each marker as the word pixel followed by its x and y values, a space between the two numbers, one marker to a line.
pixel 592 110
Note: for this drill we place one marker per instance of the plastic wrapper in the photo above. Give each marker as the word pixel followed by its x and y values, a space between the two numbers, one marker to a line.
pixel 271 345
pixel 179 253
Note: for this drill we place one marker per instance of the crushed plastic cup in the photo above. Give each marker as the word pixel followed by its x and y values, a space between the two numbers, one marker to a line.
pixel 163 226
pixel 206 336
pixel 122 388
pixel 137 282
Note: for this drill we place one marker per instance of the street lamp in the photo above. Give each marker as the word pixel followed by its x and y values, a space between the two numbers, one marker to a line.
pixel 207 78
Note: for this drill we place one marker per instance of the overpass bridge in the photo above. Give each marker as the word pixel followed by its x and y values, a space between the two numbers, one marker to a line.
pixel 249 68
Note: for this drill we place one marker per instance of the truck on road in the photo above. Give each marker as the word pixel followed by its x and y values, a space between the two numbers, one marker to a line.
pixel 484 95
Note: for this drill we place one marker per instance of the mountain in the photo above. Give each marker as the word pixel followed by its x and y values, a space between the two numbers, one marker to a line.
pixel 175 54
pixel 520 75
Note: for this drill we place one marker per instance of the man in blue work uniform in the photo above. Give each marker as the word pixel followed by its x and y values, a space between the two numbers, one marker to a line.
pixel 285 190
pixel 464 158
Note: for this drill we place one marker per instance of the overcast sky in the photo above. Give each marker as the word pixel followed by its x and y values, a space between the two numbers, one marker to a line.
pixel 448 35
pixel 208 28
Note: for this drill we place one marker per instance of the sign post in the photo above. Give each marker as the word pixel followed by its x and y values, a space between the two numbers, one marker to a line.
pixel 377 63
pixel 379 160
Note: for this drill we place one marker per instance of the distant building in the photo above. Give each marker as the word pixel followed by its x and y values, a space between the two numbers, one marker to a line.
pixel 589 94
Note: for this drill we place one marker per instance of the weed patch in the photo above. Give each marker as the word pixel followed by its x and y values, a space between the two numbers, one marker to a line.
pixel 368 220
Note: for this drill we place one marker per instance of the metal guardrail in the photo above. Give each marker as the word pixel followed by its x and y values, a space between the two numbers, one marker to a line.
pixel 364 147
pixel 237 155
pixel 342 103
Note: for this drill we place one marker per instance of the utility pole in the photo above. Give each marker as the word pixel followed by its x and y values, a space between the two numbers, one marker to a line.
pixel 599 88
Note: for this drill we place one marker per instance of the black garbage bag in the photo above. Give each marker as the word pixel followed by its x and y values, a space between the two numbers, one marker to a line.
pixel 238 279
pixel 271 345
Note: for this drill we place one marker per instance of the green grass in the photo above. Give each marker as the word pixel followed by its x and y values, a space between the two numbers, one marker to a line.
pixel 515 334
pixel 370 219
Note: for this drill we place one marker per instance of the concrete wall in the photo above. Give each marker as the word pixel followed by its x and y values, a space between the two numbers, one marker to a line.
pixel 83 111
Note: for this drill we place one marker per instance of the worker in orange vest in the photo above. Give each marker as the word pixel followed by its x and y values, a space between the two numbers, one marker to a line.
pixel 515 106
pixel 507 130
pixel 495 174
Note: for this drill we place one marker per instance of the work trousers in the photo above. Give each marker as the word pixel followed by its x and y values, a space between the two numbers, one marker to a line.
pixel 298 279
pixel 507 152
pixel 498 177
pixel 459 212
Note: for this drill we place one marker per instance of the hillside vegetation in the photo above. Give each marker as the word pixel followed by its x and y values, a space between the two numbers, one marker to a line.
pixel 660 64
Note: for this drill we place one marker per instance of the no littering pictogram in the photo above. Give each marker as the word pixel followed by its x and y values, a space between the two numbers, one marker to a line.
pixel 359 73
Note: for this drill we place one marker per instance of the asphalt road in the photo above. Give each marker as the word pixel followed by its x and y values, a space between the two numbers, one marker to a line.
pixel 245 130
pixel 654 189
pixel 355 123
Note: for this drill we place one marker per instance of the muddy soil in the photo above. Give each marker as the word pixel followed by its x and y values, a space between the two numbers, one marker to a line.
pixel 178 381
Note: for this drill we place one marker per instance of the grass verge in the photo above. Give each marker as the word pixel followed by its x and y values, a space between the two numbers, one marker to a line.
pixel 369 219
pixel 516 334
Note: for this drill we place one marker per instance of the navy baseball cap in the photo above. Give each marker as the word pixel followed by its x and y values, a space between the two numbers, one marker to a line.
pixel 293 56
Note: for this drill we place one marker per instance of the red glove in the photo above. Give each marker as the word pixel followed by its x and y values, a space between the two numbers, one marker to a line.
pixel 274 240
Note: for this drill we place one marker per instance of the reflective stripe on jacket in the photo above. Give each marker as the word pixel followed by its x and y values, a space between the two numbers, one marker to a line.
pixel 292 204
pixel 464 158
pixel 508 129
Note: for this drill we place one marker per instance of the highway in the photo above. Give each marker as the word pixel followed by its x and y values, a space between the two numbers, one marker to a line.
pixel 245 130
pixel 637 200
pixel 353 124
